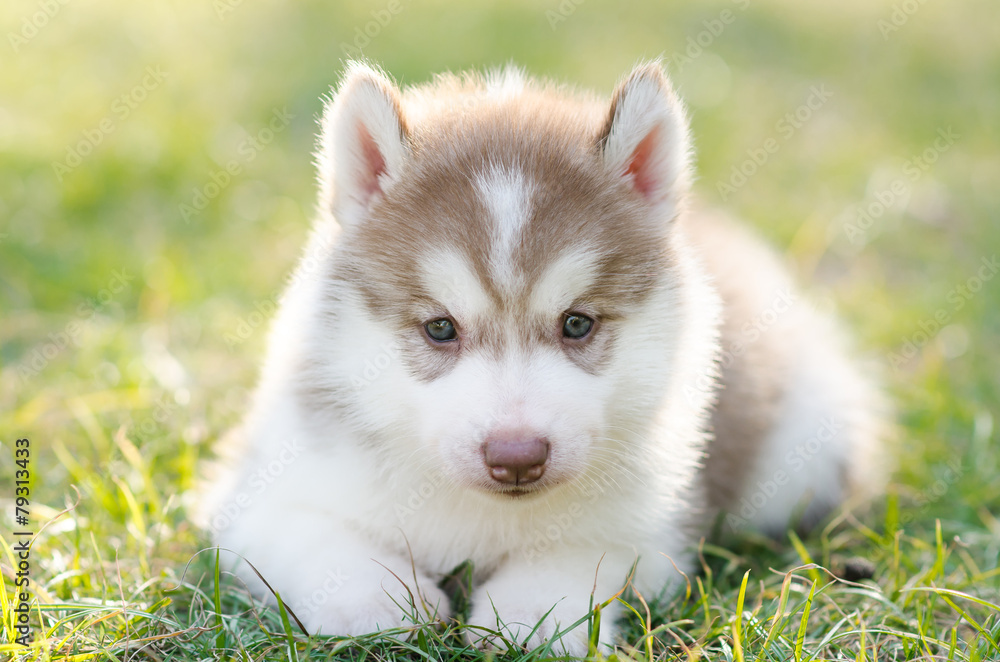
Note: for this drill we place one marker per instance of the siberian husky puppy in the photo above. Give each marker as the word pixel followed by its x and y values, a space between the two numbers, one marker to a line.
pixel 509 341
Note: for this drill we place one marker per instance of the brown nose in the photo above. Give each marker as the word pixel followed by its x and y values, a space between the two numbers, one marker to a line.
pixel 515 459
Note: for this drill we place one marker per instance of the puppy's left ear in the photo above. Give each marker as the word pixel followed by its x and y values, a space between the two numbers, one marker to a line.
pixel 645 138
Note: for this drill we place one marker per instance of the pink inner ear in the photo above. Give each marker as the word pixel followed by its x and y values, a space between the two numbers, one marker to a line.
pixel 642 166
pixel 372 164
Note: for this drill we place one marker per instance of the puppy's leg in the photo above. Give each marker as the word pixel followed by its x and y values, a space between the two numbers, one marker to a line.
pixel 340 584
pixel 551 592
pixel 826 445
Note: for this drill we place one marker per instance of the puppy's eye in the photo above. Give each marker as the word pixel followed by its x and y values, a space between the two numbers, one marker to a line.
pixel 442 330
pixel 576 326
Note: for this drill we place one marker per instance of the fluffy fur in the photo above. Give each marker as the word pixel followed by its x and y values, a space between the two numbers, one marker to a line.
pixel 503 204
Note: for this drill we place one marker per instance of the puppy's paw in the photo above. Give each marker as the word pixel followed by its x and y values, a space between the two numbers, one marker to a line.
pixel 363 609
pixel 525 624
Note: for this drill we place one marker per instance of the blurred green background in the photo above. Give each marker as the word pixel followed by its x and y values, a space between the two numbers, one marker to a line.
pixel 131 325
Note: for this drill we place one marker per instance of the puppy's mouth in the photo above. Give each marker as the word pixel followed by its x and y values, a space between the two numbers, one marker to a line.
pixel 528 492
pixel 520 492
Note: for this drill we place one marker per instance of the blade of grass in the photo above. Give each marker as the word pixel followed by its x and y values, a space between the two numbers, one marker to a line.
pixel 293 653
pixel 973 622
pixel 220 637
pixel 956 594
pixel 738 621
pixel 803 553
pixel 801 636
pixel 779 615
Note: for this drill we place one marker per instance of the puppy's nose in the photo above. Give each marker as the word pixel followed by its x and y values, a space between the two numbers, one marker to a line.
pixel 515 458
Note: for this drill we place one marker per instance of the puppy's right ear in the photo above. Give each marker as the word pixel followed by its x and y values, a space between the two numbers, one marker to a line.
pixel 363 146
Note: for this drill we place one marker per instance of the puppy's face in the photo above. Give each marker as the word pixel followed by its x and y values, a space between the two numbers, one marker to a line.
pixel 514 254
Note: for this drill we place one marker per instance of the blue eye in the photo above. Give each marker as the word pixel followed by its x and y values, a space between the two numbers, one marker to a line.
pixel 576 327
pixel 442 330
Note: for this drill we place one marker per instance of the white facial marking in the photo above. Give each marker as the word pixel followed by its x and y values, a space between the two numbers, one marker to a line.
pixel 564 280
pixel 450 280
pixel 507 197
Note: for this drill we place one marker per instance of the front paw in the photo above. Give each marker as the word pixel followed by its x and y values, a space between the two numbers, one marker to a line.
pixel 370 607
pixel 499 622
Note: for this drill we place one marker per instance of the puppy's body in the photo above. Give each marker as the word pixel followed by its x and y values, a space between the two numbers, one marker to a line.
pixel 512 214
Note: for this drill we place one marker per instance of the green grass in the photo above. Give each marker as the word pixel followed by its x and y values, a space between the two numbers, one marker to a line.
pixel 163 319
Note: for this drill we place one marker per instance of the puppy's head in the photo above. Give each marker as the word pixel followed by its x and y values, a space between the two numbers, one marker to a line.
pixel 502 305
